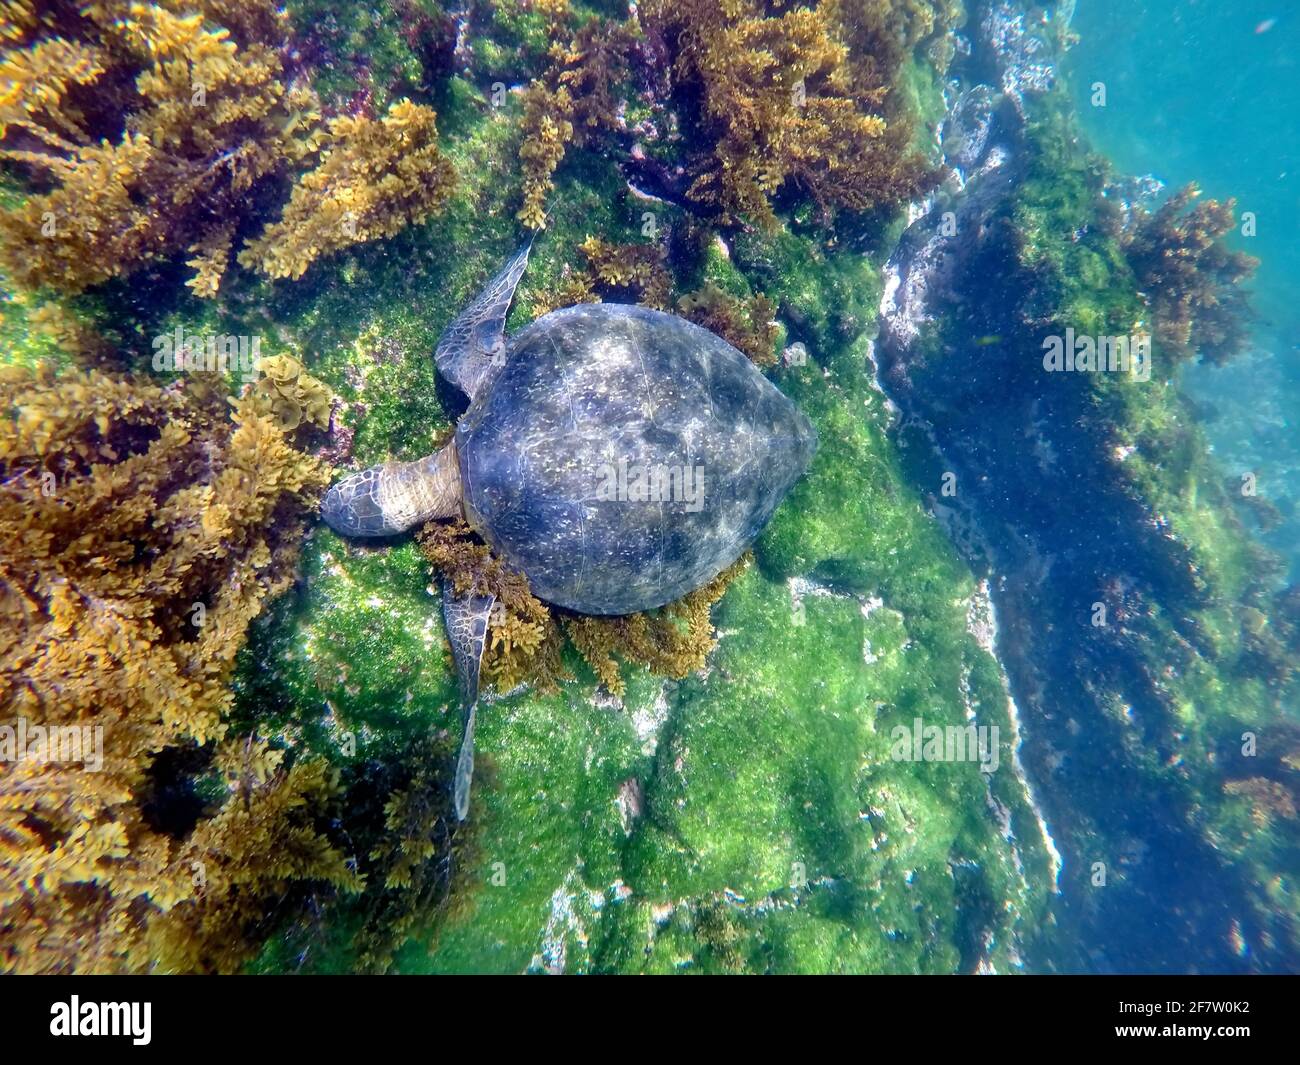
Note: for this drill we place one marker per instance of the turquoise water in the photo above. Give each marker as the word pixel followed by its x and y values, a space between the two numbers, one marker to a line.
pixel 1207 92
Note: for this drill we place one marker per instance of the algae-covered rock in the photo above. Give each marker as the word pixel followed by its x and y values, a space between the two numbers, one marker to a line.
pixel 753 817
pixel 750 817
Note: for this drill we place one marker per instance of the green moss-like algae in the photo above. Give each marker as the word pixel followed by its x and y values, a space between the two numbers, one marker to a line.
pixel 749 819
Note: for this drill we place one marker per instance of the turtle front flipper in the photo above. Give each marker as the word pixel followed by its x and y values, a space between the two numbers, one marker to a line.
pixel 472 348
pixel 466 617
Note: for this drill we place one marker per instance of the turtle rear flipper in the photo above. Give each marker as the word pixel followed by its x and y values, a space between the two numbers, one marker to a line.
pixel 465 766
pixel 466 617
pixel 472 348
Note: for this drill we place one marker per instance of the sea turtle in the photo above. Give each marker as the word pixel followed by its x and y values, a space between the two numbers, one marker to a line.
pixel 618 456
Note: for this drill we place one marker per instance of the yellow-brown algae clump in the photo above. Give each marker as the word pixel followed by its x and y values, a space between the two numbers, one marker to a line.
pixel 639 267
pixel 777 99
pixel 206 121
pixel 524 635
pixel 375 178
pixel 1191 280
pixel 747 325
pixel 772 98
pixel 673 641
pixel 407 890
pixel 202 114
pixel 141 531
pixel 575 99
pixel 288 394
pixel 1268 799
pixel 524 641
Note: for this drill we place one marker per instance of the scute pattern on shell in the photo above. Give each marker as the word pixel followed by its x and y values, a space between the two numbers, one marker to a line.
pixel 586 388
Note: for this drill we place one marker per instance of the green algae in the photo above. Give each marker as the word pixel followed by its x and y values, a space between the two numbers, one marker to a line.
pixel 750 819
pixel 600 832
pixel 22 344
pixel 775 789
pixel 853 519
pixel 666 833
pixel 360 640
pixel 385 51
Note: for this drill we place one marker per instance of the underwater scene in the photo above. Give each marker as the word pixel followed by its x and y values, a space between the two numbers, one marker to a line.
pixel 680 486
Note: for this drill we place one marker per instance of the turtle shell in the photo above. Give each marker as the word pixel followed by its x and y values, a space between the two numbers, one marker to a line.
pixel 623 457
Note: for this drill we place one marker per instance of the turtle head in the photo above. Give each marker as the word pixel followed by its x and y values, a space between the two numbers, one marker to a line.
pixel 352 506
pixel 389 499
